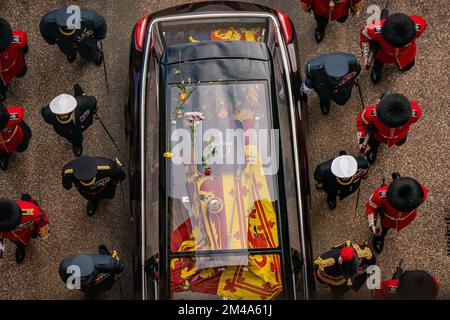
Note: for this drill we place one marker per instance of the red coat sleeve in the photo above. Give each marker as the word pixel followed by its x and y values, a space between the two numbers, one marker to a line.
pixel 420 23
pixel 363 120
pixel 372 206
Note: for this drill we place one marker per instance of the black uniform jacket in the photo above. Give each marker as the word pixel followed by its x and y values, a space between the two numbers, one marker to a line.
pixel 317 78
pixel 104 186
pixel 333 186
pixel 82 117
pixel 327 267
pixel 90 21
pixel 102 278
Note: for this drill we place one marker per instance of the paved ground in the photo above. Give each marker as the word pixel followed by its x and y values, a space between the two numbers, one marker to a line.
pixel 422 245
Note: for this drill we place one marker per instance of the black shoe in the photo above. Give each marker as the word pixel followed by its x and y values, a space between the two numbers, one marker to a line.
pixel 71 59
pixel 23 72
pixel 20 253
pixel 4 164
pixel 396 175
pixel 98 58
pixel 325 107
pixel 378 244
pixel 78 91
pixel 375 75
pixel 371 157
pixel 331 203
pixel 318 35
pixel 102 249
pixel 91 208
pixel 77 150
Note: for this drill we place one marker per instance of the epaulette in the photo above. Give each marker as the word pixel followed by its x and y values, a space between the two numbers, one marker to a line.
pixel 363 253
pixel 68 171
pixel 103 168
pixel 27 212
pixel 323 263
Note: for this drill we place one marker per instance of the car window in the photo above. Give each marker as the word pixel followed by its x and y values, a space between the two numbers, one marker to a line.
pixel 217 29
pixel 287 152
pixel 152 162
pixel 249 277
pixel 221 184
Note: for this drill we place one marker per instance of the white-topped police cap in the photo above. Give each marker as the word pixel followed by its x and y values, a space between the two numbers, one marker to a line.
pixel 63 104
pixel 344 166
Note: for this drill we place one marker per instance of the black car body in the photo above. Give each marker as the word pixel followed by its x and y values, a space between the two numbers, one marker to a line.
pixel 233 229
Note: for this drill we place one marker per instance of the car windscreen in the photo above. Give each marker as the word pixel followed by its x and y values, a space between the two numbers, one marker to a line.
pixel 213 29
pixel 221 183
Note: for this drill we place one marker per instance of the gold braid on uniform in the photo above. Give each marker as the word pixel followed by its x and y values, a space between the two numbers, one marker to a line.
pixel 344 182
pixel 67 34
pixel 63 120
pixel 87 184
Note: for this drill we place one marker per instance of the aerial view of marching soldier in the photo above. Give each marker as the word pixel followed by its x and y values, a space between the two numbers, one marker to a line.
pixel 13 48
pixel 21 220
pixel 98 271
pixel 326 11
pixel 95 178
pixel 75 39
pixel 190 223
pixel 15 134
pixel 71 115
pixel 341 176
pixel 388 122
pixel 408 285
pixel 333 77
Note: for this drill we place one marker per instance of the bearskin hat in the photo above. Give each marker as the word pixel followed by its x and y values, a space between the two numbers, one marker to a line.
pixel 4 116
pixel 10 215
pixel 398 30
pixel 405 194
pixel 6 35
pixel 417 285
pixel 394 110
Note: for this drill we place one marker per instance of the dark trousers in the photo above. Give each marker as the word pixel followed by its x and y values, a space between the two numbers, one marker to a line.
pixel 3 89
pixel 381 236
pixel 375 144
pixel 322 22
pixel 87 49
pixel 378 65
pixel 76 139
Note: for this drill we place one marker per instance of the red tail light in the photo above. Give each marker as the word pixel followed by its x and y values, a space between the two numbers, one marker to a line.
pixel 139 33
pixel 286 26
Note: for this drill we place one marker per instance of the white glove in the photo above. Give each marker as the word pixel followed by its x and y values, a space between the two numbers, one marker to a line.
pixel 305 90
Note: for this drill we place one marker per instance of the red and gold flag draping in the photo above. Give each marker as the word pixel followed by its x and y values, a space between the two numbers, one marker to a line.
pixel 237 34
pixel 247 219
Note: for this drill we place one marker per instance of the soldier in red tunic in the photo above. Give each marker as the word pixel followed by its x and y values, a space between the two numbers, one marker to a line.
pixel 20 221
pixel 15 134
pixel 393 206
pixel 329 10
pixel 13 47
pixel 393 41
pixel 387 122
pixel 409 285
